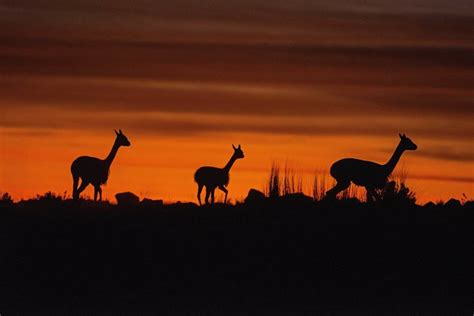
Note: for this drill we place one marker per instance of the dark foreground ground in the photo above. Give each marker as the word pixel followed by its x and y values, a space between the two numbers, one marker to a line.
pixel 279 257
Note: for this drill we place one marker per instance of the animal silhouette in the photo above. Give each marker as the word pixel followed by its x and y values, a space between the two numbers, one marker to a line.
pixel 368 174
pixel 93 170
pixel 212 177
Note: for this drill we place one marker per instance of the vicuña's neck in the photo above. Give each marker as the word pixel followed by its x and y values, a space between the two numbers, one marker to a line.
pixel 230 163
pixel 390 165
pixel 112 154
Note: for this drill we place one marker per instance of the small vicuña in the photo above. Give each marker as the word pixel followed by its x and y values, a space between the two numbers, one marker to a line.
pixel 212 177
pixel 93 170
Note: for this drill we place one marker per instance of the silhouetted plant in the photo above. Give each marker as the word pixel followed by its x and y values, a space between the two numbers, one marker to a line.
pixel 292 181
pixel 465 199
pixel 352 192
pixel 396 193
pixel 49 196
pixel 283 184
pixel 6 199
pixel 273 188
pixel 320 185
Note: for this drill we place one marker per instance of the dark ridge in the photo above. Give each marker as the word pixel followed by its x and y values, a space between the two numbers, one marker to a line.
pixel 282 255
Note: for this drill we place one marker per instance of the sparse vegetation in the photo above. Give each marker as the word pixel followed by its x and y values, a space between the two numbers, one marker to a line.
pixel 396 192
pixel 290 181
pixel 273 188
pixel 50 196
pixel 353 192
pixel 319 185
pixel 5 198
pixel 281 184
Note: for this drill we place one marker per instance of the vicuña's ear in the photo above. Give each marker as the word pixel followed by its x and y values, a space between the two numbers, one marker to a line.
pixel 239 146
pixel 400 135
pixel 116 133
pixel 120 131
pixel 233 147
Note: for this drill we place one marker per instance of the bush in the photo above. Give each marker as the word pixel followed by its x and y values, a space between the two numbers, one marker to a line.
pixel 6 199
pixel 49 196
pixel 396 193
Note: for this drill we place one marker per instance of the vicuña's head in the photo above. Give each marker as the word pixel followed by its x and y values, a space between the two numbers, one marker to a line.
pixel 238 153
pixel 121 139
pixel 406 143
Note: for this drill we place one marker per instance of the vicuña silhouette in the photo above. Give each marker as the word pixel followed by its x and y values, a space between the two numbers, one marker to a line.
pixel 368 174
pixel 93 170
pixel 212 177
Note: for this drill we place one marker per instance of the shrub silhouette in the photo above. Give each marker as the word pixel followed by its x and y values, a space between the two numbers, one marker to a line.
pixel 396 193
pixel 6 199
pixel 49 196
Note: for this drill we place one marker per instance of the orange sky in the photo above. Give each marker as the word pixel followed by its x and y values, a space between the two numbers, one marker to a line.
pixel 306 81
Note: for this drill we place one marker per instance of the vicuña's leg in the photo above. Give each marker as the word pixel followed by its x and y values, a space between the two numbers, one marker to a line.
pixel 223 189
pixel 100 194
pixel 82 187
pixel 75 183
pixel 96 190
pixel 200 186
pixel 340 186
pixel 370 194
pixel 208 192
pixel 212 195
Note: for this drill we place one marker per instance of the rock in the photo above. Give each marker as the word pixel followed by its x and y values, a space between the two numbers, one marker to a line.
pixel 469 205
pixel 297 199
pixel 255 197
pixel 127 199
pixel 429 205
pixel 453 203
pixel 151 203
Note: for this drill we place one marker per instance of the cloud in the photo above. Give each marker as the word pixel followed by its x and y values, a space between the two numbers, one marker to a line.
pixel 186 125
pixel 134 95
pixel 449 153
pixel 330 61
pixel 443 178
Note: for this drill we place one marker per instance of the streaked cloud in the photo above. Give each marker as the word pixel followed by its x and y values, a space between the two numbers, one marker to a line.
pixel 450 153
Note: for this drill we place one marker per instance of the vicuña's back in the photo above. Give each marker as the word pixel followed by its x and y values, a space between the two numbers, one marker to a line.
pixel 91 169
pixel 212 177
pixel 95 171
pixel 368 174
pixel 361 172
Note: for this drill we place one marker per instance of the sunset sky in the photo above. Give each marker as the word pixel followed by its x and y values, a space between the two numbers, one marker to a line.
pixel 307 82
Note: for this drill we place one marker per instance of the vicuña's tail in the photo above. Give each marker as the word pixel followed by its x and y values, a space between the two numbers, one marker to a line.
pixel 198 175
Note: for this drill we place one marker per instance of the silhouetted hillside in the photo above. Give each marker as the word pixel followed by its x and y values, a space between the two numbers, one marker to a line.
pixel 283 255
